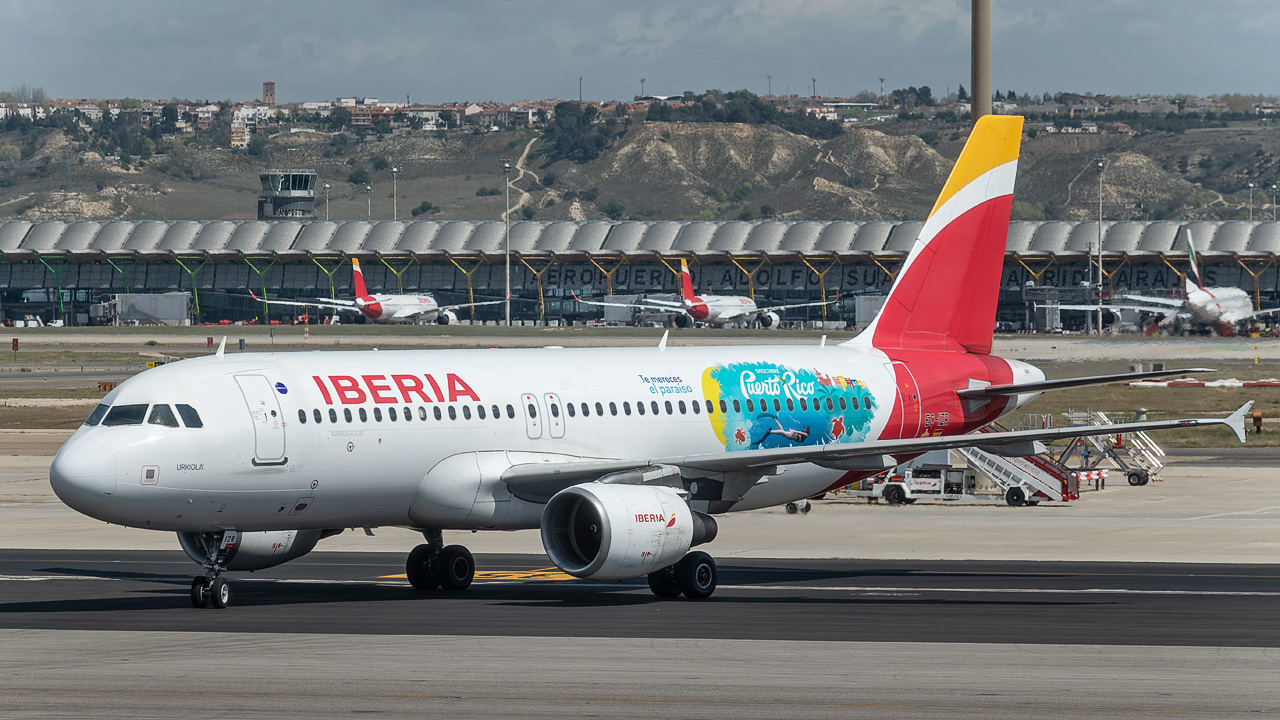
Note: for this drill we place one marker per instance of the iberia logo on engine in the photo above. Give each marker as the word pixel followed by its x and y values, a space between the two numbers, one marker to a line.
pixel 650 518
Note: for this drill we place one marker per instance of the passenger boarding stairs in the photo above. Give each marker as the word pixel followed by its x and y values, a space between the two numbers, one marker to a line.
pixel 1036 476
pixel 1134 454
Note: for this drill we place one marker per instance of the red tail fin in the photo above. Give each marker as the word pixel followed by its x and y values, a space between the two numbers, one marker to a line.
pixel 686 282
pixel 357 277
pixel 944 296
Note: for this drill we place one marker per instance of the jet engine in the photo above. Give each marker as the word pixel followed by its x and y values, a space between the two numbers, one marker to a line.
pixel 613 532
pixel 770 320
pixel 682 321
pixel 252 550
pixel 447 317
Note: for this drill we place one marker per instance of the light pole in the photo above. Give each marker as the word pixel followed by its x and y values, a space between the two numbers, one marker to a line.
pixel 1102 164
pixel 641 87
pixel 1273 202
pixel 395 196
pixel 506 176
pixel 368 192
pixel 1250 201
pixel 326 202
pixel 770 79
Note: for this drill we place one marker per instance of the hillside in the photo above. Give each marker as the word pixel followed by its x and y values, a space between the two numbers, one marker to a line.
pixel 651 171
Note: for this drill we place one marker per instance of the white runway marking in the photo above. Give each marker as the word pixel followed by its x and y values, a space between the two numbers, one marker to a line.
pixel 1255 511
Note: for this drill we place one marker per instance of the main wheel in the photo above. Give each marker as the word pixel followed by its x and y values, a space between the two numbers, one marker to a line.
pixel 792 508
pixel 455 568
pixel 199 592
pixel 418 569
pixel 664 582
pixel 697 575
pixel 220 593
pixel 1137 478
pixel 895 495
pixel 1015 496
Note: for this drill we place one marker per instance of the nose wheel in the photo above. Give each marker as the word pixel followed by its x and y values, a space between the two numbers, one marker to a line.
pixel 206 592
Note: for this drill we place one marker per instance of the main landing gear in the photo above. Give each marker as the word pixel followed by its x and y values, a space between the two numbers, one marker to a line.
pixel 435 565
pixel 694 576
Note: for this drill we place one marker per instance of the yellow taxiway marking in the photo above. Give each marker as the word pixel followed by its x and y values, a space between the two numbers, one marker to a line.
pixel 535 574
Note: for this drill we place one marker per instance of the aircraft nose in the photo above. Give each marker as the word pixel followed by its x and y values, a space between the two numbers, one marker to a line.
pixel 83 474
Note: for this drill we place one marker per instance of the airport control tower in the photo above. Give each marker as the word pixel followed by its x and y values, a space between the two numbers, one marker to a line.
pixel 287 194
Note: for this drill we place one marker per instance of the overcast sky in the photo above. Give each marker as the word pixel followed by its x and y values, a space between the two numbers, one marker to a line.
pixel 525 49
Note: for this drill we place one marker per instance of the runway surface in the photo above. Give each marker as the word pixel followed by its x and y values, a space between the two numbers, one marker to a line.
pixel 336 634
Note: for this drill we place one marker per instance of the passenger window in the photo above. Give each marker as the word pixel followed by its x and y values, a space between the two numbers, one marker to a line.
pixel 95 417
pixel 586 410
pixel 696 406
pixel 723 407
pixel 737 406
pixel 163 415
pixel 436 410
pixel 613 408
pixel 497 414
pixel 189 416
pixel 333 416
pixel 681 406
pixel 453 413
pixel 480 411
pixel 640 407
pixel 653 405
pixel 791 404
pixel 364 416
pixel 751 406
pixel 408 413
pixel 777 406
pixel 302 416
pixel 804 404
pixel 626 408
pixel 125 415
pixel 466 412
pixel 667 403
pixel 555 410
pixel 842 405
pixel 569 407
pixel 377 414
pixel 533 411
pixel 855 403
pixel 346 414
pixel 422 412
pixel 511 412
pixel 711 408
pixel 316 414
pixel 830 405
pixel 600 410
pixel 392 415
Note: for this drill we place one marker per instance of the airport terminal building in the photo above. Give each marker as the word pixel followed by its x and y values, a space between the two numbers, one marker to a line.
pixel 61 270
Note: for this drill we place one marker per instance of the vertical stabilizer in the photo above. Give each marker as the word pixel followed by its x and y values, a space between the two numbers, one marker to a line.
pixel 944 296
pixel 357 277
pixel 1195 262
pixel 686 282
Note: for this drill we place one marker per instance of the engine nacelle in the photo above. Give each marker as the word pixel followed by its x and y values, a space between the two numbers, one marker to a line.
pixel 254 550
pixel 682 321
pixel 614 532
pixel 447 317
pixel 770 320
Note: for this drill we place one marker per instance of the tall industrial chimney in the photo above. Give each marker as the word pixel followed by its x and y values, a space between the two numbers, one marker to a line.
pixel 980 60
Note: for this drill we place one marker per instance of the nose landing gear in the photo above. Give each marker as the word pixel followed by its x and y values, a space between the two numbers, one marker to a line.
pixel 211 588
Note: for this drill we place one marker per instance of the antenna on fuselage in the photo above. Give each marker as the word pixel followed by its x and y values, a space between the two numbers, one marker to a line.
pixel 662 344
pixel 222 347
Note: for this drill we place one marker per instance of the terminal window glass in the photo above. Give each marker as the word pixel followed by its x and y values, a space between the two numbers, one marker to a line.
pixel 190 417
pixel 125 415
pixel 163 415
pixel 95 417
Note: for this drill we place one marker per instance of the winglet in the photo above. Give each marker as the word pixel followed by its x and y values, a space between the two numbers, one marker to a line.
pixel 222 347
pixel 662 344
pixel 254 296
pixel 1236 421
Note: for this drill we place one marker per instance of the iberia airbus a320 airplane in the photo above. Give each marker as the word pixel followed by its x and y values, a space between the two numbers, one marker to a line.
pixel 385 308
pixel 623 457
pixel 715 310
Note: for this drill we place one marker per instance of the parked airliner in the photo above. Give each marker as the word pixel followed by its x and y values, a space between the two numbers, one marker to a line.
pixel 1223 309
pixel 384 308
pixel 624 458
pixel 714 310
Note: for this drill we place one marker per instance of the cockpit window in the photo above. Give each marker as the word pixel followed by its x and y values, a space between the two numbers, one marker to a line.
pixel 95 417
pixel 162 415
pixel 125 415
pixel 190 417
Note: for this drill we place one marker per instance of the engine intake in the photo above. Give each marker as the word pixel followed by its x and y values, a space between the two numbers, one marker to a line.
pixel 256 550
pixel 614 532
pixel 447 317
pixel 770 320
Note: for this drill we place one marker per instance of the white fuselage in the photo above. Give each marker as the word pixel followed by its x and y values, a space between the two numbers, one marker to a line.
pixel 398 308
pixel 1219 305
pixel 321 439
pixel 722 309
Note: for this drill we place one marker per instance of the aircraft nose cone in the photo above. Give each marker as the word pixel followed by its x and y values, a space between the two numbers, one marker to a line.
pixel 83 474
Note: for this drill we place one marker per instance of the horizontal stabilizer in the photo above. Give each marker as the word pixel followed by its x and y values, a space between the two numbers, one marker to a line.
pixel 1066 383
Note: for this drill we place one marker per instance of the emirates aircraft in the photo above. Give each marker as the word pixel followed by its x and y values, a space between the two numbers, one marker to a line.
pixel 716 310
pixel 625 458
pixel 1223 309
pixel 385 308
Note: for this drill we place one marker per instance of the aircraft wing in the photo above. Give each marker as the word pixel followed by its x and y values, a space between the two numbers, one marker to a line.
pixel 537 482
pixel 647 304
pixel 1167 302
pixel 1068 383
pixel 1254 314
pixel 460 306
pixel 1144 308
pixel 798 305
pixel 332 304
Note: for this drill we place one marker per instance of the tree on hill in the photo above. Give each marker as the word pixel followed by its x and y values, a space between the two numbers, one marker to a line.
pixel 743 106
pixel 576 132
